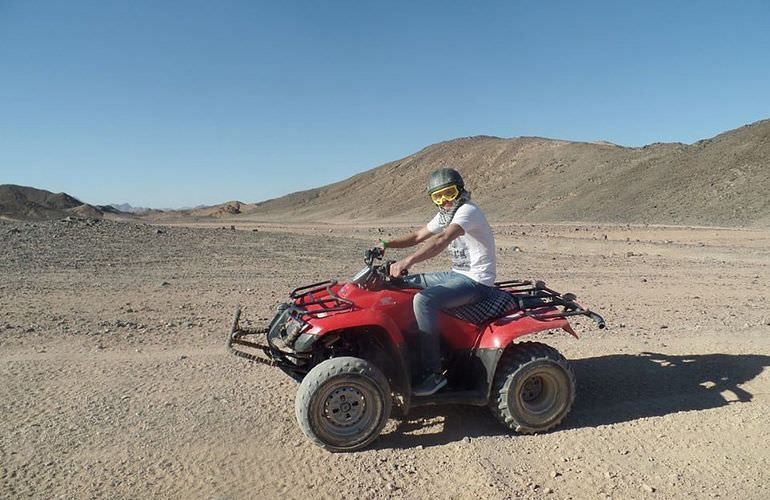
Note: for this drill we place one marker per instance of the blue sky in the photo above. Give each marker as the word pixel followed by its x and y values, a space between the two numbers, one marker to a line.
pixel 173 103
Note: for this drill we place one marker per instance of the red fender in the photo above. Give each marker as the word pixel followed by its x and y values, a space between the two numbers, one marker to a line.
pixel 503 331
pixel 356 319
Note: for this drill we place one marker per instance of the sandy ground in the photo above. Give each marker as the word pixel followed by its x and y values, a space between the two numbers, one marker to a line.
pixel 115 382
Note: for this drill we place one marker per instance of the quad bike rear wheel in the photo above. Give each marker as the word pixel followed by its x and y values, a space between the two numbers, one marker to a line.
pixel 534 388
pixel 343 403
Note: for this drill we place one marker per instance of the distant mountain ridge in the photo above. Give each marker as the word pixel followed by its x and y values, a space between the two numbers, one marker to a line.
pixel 29 203
pixel 724 180
pixel 129 209
pixel 220 211
pixel 22 202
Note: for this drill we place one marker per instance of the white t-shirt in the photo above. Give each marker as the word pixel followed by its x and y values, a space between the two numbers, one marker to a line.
pixel 473 253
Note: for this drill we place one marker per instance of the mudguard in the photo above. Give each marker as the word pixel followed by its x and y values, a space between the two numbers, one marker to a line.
pixel 362 318
pixel 502 331
pixel 356 319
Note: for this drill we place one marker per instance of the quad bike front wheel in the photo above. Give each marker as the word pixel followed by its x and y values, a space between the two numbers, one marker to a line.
pixel 343 403
pixel 534 388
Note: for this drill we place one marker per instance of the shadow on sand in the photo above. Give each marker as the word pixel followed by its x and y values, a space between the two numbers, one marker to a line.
pixel 610 389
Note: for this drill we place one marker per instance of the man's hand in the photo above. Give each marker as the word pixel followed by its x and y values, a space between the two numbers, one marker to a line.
pixel 398 267
pixel 433 246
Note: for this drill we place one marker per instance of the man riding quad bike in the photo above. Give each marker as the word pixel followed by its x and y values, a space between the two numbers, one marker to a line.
pixel 354 349
pixel 421 339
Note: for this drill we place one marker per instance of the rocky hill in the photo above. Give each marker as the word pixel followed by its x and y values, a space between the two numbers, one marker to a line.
pixel 21 202
pixel 222 211
pixel 128 208
pixel 724 180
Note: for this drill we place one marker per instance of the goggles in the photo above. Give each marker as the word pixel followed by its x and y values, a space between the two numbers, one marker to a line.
pixel 449 193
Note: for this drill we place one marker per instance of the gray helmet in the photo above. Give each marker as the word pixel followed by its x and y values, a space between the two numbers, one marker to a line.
pixel 444 177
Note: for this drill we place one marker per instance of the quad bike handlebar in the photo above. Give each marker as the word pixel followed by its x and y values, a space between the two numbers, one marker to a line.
pixel 372 254
pixel 377 253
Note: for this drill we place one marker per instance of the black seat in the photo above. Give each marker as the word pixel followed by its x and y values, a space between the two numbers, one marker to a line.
pixel 493 304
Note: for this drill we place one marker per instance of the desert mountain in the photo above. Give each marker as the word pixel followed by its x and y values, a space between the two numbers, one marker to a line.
pixel 223 210
pixel 21 202
pixel 128 208
pixel 724 180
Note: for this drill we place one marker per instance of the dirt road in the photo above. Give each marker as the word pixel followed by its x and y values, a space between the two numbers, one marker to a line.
pixel 114 379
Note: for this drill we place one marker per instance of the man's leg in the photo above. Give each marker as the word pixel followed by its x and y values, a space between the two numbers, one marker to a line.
pixel 445 291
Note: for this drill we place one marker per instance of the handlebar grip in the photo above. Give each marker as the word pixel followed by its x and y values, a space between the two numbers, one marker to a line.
pixel 404 272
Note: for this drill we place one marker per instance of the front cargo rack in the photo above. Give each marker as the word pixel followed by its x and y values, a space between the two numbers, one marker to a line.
pixel 318 294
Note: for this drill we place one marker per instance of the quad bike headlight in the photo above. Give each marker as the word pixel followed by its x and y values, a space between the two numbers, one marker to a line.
pixel 293 328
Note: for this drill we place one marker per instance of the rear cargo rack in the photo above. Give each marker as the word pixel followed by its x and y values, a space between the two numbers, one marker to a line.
pixel 532 296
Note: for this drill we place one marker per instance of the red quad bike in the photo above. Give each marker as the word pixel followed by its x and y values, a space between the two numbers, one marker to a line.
pixel 354 348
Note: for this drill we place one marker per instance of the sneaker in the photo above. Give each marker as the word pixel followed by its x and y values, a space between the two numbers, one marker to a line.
pixel 430 385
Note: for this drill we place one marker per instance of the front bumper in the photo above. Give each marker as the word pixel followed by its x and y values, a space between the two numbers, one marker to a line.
pixel 245 342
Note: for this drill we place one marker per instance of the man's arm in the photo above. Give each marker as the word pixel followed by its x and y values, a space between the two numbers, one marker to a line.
pixel 410 240
pixel 434 245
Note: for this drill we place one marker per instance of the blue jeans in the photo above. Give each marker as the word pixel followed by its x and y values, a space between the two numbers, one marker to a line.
pixel 439 291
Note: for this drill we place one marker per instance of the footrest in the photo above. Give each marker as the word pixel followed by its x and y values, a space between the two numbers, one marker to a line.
pixel 473 398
